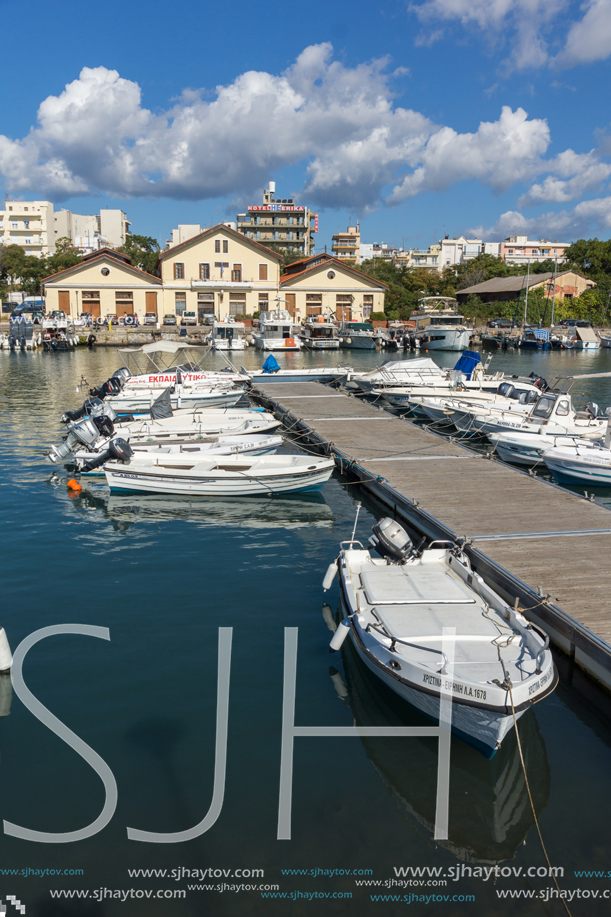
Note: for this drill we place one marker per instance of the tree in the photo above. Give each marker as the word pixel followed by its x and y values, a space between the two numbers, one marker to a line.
pixel 143 251
pixel 64 244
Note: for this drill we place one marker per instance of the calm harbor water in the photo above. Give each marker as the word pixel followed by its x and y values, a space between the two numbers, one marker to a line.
pixel 163 575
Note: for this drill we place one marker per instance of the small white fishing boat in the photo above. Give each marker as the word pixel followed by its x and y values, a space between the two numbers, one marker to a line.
pixel 221 476
pixel 442 409
pixel 92 462
pixel 397 606
pixel 528 448
pixel 276 331
pixel 192 398
pixel 581 462
pixel 605 340
pixel 228 335
pixel 585 338
pixel 271 372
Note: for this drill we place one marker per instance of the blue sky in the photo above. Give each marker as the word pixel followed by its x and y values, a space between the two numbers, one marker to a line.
pixel 479 116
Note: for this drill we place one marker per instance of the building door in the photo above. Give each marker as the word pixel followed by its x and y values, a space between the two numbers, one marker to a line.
pixel 63 303
pixel 290 303
pixel 125 308
pixel 151 302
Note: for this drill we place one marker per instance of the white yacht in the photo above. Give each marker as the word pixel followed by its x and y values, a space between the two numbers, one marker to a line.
pixel 320 335
pixel 228 335
pixel 276 331
pixel 439 326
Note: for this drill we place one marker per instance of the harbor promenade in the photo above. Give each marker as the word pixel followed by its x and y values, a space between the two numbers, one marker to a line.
pixel 540 545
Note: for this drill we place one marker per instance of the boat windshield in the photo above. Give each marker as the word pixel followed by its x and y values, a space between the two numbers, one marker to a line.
pixel 357 326
pixel 544 407
pixel 446 320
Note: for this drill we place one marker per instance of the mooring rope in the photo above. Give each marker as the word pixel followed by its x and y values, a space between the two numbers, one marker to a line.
pixel 532 805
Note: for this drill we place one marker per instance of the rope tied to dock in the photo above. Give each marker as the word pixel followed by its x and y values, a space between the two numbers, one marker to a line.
pixel 532 805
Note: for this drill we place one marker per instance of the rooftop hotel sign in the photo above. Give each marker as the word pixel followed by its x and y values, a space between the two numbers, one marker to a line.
pixel 274 207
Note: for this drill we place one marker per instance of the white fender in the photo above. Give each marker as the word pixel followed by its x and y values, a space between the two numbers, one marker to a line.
pixel 330 576
pixel 343 629
pixel 327 616
pixel 6 658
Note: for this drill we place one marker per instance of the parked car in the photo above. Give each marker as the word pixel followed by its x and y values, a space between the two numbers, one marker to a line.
pixel 150 318
pixel 113 319
pixel 188 318
pixel 501 323
pixel 169 320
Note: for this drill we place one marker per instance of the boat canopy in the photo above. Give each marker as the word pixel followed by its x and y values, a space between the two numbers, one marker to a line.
pixel 161 356
pixel 467 362
pixel 271 365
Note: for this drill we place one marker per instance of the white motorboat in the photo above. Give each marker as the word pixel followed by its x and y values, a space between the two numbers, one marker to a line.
pixel 195 397
pixel 402 377
pixel 605 340
pixel 553 412
pixel 228 335
pixel 276 331
pixel 312 374
pixel 581 462
pixel 320 335
pixel 443 409
pixel 397 607
pixel 164 363
pixel 529 448
pixel 394 373
pixel 438 325
pixel 92 433
pixel 221 476
pixel 585 338
pixel 358 336
pixel 92 462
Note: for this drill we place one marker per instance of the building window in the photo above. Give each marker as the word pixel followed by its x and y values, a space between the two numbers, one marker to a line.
pixel 180 303
pixel 263 272
pixel 263 302
pixel 225 246
pixel 179 271
pixel 237 303
pixel 205 304
pixel 217 245
pixel 367 305
pixel 204 272
pixel 236 273
pixel 26 224
pixel 14 225
pixel 221 266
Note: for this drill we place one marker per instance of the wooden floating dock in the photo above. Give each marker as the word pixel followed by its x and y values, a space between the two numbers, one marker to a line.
pixel 536 542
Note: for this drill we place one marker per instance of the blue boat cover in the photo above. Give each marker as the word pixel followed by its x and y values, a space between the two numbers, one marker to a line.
pixel 467 362
pixel 271 365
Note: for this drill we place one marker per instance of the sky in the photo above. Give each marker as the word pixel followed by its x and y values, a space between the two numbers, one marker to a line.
pixel 419 119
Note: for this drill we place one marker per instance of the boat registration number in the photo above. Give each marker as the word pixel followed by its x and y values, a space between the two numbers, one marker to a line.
pixel 455 687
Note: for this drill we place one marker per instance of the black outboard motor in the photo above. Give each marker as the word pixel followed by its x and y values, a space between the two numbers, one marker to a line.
pixel 391 540
pixel 122 374
pixel 112 386
pixel 104 425
pixel 118 450
pixel 594 409
pixel 539 381
pixel 86 408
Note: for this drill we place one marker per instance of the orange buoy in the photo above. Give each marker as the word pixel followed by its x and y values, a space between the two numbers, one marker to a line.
pixel 73 484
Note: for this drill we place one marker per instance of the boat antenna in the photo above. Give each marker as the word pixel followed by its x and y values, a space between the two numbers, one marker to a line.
pixel 356 519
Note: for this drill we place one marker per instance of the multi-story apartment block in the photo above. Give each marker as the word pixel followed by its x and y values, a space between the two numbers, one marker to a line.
pixel 346 245
pixel 280 222
pixel 458 250
pixel 519 250
pixel 91 232
pixel 29 224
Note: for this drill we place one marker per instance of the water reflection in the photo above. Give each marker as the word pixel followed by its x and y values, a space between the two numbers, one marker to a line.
pixel 126 510
pixel 490 815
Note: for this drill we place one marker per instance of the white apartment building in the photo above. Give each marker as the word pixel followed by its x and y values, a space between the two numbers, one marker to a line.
pixel 29 224
pixel 90 232
pixel 458 250
pixel 520 250
pixel 186 231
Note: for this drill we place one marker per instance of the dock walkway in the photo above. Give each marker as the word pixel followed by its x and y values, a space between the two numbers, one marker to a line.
pixel 538 543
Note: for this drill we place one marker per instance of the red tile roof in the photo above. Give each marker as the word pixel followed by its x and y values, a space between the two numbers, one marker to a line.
pixel 129 267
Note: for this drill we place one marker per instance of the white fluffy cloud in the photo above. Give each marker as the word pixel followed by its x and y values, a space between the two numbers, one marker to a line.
pixel 589 39
pixel 525 27
pixel 573 174
pixel 499 154
pixel 561 226
pixel 360 150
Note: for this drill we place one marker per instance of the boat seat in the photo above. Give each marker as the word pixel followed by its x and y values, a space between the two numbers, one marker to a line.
pixel 420 584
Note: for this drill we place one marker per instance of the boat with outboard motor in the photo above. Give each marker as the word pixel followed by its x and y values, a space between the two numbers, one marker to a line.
pixel 507 395
pixel 358 336
pixel 529 448
pixel 227 335
pixel 232 475
pixel 581 462
pixel 92 462
pixel 398 607
pixel 93 432
pixel 400 377
pixel 194 397
pixel 272 372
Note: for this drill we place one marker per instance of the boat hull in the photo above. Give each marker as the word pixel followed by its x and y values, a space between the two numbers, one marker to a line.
pixel 446 340
pixel 571 471
pixel 321 345
pixel 141 403
pixel 275 344
pixel 355 342
pixel 155 483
